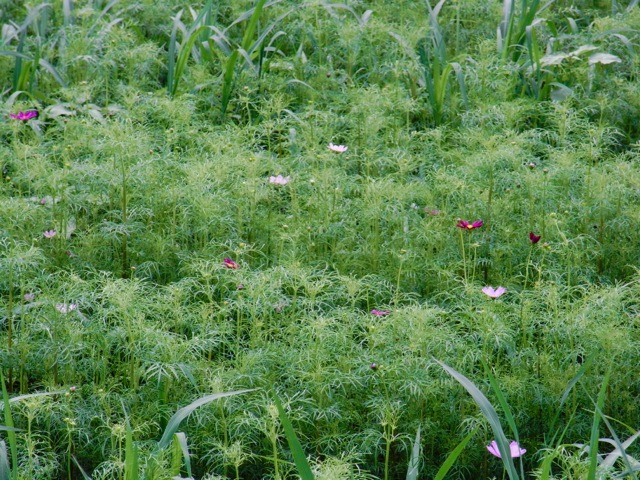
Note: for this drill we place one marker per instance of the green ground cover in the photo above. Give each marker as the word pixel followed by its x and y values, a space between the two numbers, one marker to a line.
pixel 179 220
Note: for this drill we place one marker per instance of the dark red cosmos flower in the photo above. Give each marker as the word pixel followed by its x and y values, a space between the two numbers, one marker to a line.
pixel 534 238
pixel 227 262
pixel 468 225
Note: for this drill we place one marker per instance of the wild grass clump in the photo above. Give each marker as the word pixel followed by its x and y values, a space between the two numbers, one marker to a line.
pixel 275 239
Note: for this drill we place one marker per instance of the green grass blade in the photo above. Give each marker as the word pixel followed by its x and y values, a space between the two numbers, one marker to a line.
pixel 453 456
pixel 131 463
pixel 414 461
pixel 490 414
pixel 171 63
pixel 184 412
pixel 180 441
pixel 252 25
pixel 581 371
pixel 5 469
pixel 84 474
pixel 8 420
pixel 620 450
pixel 304 470
pixel 593 442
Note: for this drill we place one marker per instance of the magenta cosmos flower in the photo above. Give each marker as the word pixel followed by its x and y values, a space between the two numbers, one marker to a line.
pixel 515 449
pixel 534 238
pixel 227 262
pixel 24 116
pixel 494 293
pixel 337 148
pixel 49 234
pixel 380 313
pixel 468 225
pixel 279 180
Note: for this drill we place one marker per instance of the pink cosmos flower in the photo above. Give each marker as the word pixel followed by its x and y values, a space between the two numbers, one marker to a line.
pixel 469 225
pixel 50 234
pixel 494 293
pixel 279 180
pixel 337 148
pixel 65 308
pixel 515 449
pixel 380 313
pixel 534 238
pixel 24 116
pixel 227 262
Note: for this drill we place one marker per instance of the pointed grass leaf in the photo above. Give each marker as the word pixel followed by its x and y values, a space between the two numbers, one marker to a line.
pixel 84 474
pixel 414 461
pixel 131 463
pixel 595 427
pixel 182 449
pixel 5 469
pixel 490 414
pixel 453 456
pixel 304 470
pixel 184 412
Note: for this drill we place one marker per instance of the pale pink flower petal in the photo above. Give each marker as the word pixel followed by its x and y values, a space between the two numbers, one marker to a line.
pixel 50 234
pixel 514 449
pixel 494 293
pixel 279 180
pixel 65 308
pixel 337 148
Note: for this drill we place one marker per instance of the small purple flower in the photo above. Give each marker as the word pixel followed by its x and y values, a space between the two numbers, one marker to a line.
pixel 468 225
pixel 380 313
pixel 65 308
pixel 373 366
pixel 514 448
pixel 494 293
pixel 227 262
pixel 240 286
pixel 50 234
pixel 29 297
pixel 534 238
pixel 279 180
pixel 24 116
pixel 337 148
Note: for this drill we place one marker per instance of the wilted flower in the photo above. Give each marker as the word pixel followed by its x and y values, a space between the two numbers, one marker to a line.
pixel 469 225
pixel 50 234
pixel 227 262
pixel 515 449
pixel 380 313
pixel 279 180
pixel 534 238
pixel 65 308
pixel 373 366
pixel 494 293
pixel 337 148
pixel 29 297
pixel 24 116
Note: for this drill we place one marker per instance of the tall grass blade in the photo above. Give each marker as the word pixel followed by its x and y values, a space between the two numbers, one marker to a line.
pixel 184 412
pixel 67 12
pixel 131 463
pixel 581 371
pixel 84 474
pixel 593 442
pixel 180 442
pixel 11 435
pixel 414 461
pixel 5 469
pixel 620 450
pixel 490 414
pixel 304 470
pixel 505 408
pixel 453 456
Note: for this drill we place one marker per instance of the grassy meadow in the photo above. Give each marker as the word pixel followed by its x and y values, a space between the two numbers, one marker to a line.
pixel 249 239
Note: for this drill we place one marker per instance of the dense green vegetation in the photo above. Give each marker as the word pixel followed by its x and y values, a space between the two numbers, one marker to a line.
pixel 174 225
